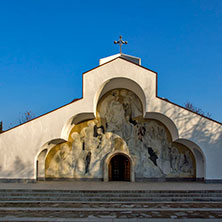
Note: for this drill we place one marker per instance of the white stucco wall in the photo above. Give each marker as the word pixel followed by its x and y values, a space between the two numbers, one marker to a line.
pixel 20 146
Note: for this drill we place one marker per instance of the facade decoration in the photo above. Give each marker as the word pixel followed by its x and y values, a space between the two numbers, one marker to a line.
pixel 119 127
pixel 119 130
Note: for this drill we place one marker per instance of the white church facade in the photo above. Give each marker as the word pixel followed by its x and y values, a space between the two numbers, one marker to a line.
pixel 119 130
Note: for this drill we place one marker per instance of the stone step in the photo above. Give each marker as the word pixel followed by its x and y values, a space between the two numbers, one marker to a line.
pixel 100 199
pixel 2 191
pixel 119 205
pixel 109 191
pixel 92 203
pixel 91 218
pixel 32 195
pixel 46 195
pixel 113 213
pixel 63 209
pixel 102 193
pixel 107 195
pixel 59 205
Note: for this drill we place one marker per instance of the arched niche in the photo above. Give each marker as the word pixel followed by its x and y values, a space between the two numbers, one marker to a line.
pixel 74 120
pixel 166 121
pixel 107 162
pixel 199 157
pixel 116 83
pixel 196 153
pixel 42 154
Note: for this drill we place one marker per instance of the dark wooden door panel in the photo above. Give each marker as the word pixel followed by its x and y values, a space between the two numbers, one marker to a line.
pixel 119 169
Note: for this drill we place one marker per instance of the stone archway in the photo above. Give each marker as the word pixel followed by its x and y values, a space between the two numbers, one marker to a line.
pixel 128 168
pixel 119 168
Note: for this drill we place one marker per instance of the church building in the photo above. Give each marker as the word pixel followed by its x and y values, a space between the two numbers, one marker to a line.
pixel 120 130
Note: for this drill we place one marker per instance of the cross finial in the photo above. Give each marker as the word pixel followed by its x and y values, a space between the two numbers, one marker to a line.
pixel 120 42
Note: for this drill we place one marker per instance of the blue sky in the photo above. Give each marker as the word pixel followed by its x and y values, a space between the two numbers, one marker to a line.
pixel 45 46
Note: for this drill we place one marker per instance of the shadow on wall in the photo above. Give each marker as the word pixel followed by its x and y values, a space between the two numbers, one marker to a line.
pixel 19 169
pixel 202 131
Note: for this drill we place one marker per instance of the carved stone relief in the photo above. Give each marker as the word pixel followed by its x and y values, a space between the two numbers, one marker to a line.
pixel 119 125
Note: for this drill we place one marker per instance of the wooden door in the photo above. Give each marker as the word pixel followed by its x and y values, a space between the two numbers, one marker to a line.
pixel 119 169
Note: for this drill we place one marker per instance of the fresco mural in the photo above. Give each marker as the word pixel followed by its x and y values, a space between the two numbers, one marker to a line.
pixel 119 126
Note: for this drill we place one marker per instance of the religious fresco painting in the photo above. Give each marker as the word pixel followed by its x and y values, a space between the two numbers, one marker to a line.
pixel 119 126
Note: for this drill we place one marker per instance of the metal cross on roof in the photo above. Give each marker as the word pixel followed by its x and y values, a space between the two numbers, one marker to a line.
pixel 120 42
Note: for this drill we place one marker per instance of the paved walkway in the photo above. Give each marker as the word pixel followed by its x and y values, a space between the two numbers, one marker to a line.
pixel 84 185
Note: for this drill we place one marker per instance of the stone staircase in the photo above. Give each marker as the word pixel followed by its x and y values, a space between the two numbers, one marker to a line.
pixel 134 205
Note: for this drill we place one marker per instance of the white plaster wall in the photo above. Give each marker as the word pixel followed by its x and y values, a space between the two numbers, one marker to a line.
pixel 96 78
pixel 19 146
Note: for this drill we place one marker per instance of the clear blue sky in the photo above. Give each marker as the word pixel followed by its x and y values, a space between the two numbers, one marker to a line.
pixel 46 45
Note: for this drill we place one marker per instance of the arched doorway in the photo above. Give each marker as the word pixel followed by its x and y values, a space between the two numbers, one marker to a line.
pixel 119 168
